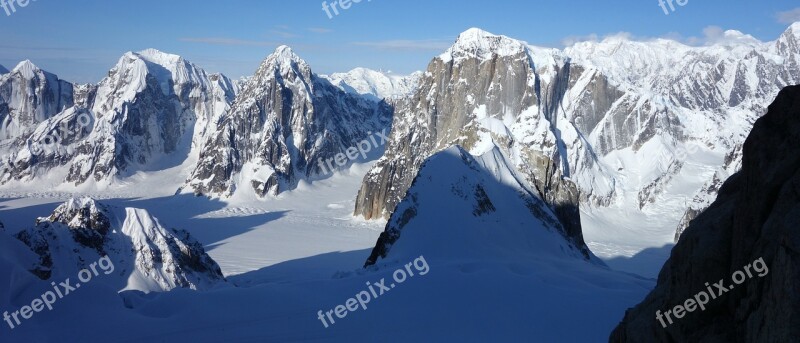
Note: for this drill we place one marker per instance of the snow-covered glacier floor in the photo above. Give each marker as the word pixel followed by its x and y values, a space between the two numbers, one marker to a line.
pixel 302 252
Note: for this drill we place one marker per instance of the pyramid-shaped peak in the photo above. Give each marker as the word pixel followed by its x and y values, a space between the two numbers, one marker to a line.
pixel 283 58
pixel 284 53
pixel 26 68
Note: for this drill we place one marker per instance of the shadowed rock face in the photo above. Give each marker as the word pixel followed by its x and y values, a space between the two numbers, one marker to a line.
pixel 756 215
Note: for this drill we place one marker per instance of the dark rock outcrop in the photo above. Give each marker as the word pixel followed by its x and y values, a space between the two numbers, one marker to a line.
pixel 755 217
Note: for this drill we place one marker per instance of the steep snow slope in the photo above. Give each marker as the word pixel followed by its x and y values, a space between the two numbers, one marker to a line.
pixel 461 206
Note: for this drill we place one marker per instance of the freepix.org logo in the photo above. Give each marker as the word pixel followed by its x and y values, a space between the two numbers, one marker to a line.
pixel 333 8
pixel 669 6
pixel 10 6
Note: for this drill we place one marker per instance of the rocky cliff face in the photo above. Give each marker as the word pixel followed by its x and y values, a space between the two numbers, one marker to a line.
pixel 754 217
pixel 146 256
pixel 284 125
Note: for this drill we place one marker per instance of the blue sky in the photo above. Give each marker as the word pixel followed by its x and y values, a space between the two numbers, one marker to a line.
pixel 81 39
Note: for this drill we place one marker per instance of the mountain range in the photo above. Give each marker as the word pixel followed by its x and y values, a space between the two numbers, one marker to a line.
pixel 597 127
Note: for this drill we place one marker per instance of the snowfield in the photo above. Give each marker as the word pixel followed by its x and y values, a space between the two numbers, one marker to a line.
pixel 302 252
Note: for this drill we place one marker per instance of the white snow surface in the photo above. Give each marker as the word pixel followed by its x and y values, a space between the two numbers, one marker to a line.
pixel 302 252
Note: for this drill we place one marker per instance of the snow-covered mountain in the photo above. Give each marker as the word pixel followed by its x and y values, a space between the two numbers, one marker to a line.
pixel 284 124
pixel 150 111
pixel 29 96
pixel 376 84
pixel 145 255
pixel 609 117
pixel 462 207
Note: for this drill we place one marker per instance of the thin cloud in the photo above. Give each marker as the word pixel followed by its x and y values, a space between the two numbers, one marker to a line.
pixel 407 45
pixel 283 34
pixel 713 35
pixel 789 17
pixel 593 37
pixel 319 30
pixel 572 40
pixel 226 41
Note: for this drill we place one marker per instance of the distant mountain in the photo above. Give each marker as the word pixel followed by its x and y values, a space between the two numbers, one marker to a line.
pixel 28 97
pixel 285 123
pixel 745 243
pixel 3 70
pixel 146 256
pixel 462 207
pixel 376 84
pixel 150 111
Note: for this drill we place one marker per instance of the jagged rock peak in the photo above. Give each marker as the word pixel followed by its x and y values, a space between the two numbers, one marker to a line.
pixel 283 58
pixel 147 256
pixel 81 213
